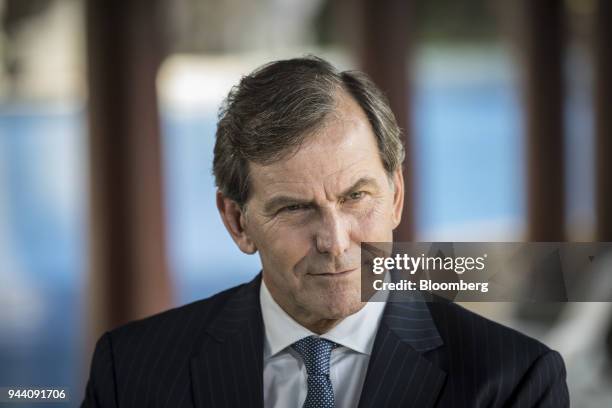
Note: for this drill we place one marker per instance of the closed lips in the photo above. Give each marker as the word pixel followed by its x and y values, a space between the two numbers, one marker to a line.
pixel 345 272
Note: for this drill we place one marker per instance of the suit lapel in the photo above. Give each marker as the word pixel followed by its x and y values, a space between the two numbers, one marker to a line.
pixel 398 374
pixel 228 371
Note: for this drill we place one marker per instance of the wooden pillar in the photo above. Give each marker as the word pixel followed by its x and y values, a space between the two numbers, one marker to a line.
pixel 128 269
pixel 542 43
pixel 385 51
pixel 603 118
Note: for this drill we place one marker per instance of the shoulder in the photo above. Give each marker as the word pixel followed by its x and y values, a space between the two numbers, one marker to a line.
pixel 181 327
pixel 199 313
pixel 145 354
pixel 460 327
pixel 482 352
pixel 497 353
pixel 503 364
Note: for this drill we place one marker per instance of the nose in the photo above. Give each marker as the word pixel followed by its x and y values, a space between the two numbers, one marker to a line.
pixel 332 236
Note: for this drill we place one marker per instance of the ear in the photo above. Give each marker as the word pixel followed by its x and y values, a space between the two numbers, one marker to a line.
pixel 234 220
pixel 398 196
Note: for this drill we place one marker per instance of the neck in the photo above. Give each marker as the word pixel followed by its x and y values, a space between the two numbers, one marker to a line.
pixel 305 318
pixel 319 326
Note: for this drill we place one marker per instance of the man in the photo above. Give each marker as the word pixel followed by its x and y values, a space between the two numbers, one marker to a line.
pixel 308 165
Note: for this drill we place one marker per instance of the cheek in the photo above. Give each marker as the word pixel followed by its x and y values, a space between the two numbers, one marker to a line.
pixel 281 249
pixel 375 224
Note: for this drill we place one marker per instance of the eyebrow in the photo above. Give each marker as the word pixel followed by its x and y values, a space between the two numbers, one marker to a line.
pixel 281 201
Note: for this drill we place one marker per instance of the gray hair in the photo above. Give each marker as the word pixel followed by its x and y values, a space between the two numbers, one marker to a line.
pixel 268 114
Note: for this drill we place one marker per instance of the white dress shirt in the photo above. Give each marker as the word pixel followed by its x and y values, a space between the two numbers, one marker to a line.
pixel 284 375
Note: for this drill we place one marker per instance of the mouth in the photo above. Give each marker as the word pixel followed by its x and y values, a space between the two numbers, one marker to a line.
pixel 334 274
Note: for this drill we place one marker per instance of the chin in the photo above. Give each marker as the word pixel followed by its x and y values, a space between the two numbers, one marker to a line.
pixel 335 301
pixel 342 306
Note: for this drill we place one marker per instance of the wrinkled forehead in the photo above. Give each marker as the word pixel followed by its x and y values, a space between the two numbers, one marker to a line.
pixel 328 175
pixel 337 154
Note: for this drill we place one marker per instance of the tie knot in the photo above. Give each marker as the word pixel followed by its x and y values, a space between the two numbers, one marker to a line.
pixel 316 353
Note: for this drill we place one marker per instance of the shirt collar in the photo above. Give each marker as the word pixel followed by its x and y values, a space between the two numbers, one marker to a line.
pixel 356 332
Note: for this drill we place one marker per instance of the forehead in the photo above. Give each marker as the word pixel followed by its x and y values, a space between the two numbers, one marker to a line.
pixel 343 150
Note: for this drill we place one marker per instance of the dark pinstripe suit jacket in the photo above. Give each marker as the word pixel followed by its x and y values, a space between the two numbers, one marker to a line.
pixel 210 354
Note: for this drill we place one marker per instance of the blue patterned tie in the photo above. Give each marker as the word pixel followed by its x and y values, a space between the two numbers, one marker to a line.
pixel 316 353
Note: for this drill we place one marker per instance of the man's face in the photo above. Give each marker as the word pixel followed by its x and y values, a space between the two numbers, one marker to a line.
pixel 308 213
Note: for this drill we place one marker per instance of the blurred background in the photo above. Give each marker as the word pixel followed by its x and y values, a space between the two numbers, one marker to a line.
pixel 107 119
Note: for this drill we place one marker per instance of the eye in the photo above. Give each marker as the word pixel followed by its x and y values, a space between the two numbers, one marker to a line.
pixel 356 195
pixel 294 207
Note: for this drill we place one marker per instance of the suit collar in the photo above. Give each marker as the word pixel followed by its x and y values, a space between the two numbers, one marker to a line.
pixel 409 318
pixel 241 308
pixel 399 373
pixel 228 371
